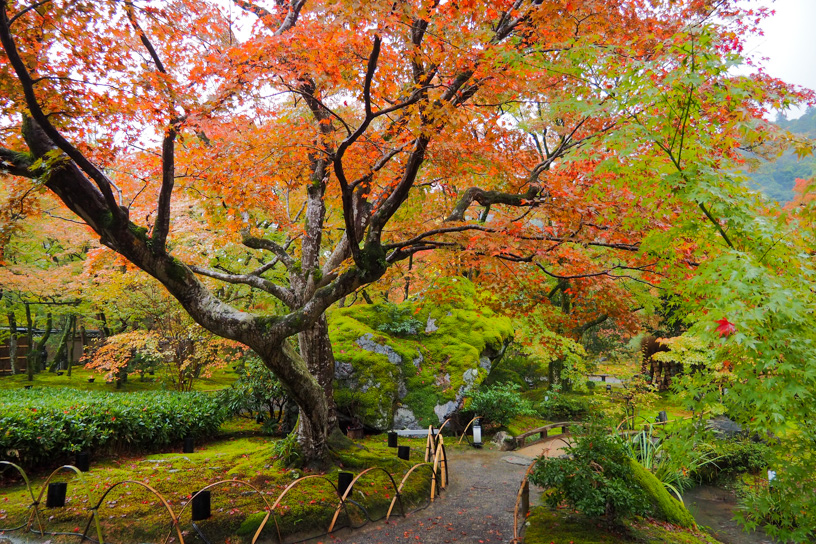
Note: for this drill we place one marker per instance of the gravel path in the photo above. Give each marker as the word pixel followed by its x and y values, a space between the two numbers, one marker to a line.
pixel 476 507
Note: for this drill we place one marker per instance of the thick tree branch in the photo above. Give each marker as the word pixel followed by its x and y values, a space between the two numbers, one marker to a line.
pixel 345 192
pixel 16 164
pixel 269 245
pixel 162 227
pixel 581 329
pixel 489 198
pixel 281 293
pixel 434 232
pixel 101 180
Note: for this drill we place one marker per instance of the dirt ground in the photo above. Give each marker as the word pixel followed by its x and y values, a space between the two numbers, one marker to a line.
pixel 477 506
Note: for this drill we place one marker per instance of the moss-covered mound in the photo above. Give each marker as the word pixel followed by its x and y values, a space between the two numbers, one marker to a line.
pixel 408 365
pixel 665 506
pixel 545 526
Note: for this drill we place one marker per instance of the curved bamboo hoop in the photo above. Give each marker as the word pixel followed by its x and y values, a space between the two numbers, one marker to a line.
pixel 429 444
pixel 525 480
pixel 439 457
pixel 173 518
pixel 34 502
pixel 289 487
pixel 402 484
pixel 466 428
pixel 222 482
pixel 351 486
pixel 87 494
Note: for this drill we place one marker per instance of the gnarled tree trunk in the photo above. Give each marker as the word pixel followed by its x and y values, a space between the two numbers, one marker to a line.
pixel 303 388
pixel 316 350
pixel 12 342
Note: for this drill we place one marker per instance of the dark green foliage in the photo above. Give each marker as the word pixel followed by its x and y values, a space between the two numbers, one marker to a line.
pixel 561 406
pixel 500 404
pixel 256 392
pixel 597 479
pixel 732 457
pixel 41 426
pixel 518 368
pixel 287 451
pixel 398 320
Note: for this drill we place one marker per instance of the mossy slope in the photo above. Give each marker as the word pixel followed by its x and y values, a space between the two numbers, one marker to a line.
pixel 386 360
pixel 545 526
pixel 666 506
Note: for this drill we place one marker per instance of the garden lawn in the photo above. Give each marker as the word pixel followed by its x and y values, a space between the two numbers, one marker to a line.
pixel 131 513
pixel 221 378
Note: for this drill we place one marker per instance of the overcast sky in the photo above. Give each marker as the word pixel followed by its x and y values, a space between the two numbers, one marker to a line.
pixel 789 43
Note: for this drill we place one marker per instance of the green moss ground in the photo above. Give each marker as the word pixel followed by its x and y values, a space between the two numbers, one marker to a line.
pixel 78 379
pixel 465 331
pixel 130 513
pixel 545 526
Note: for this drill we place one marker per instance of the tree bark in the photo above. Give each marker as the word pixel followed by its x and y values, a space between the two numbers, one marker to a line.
pixel 72 341
pixel 316 350
pixel 310 397
pixel 60 355
pixel 12 342
pixel 30 340
pixel 39 355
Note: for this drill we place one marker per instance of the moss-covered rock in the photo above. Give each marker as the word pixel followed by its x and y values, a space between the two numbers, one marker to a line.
pixel 665 506
pixel 416 359
pixel 545 526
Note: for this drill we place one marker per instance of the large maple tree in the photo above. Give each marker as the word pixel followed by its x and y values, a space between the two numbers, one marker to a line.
pixel 335 139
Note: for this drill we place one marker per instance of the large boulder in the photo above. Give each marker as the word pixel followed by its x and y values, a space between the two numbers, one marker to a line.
pixel 410 365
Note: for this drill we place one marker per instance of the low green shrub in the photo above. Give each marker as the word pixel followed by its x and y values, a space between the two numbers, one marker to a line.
pixel 562 406
pixel 732 457
pixel 256 392
pixel 44 426
pixel 596 479
pixel 499 404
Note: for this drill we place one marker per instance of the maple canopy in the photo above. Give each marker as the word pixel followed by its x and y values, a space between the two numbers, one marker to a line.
pixel 304 149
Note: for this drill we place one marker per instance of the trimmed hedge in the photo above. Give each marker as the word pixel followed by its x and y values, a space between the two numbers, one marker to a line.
pixel 43 426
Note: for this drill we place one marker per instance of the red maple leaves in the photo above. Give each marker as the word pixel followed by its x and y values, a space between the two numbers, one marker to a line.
pixel 725 327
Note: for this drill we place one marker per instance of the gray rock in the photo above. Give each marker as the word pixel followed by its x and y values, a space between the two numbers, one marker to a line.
pixel 444 410
pixel 518 460
pixel 500 437
pixel 470 376
pixel 418 360
pixel 368 385
pixel 430 326
pixel 343 371
pixel 402 390
pixel 725 427
pixel 443 381
pixel 404 418
pixel 365 342
pixel 486 362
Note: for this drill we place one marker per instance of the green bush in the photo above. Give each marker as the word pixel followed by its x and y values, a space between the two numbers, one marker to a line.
pixel 44 426
pixel 732 457
pixel 256 392
pixel 564 406
pixel 500 404
pixel 597 479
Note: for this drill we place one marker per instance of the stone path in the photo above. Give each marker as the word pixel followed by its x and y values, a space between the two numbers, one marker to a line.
pixel 477 506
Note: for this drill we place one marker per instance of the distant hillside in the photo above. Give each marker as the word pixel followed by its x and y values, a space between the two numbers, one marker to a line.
pixel 776 179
